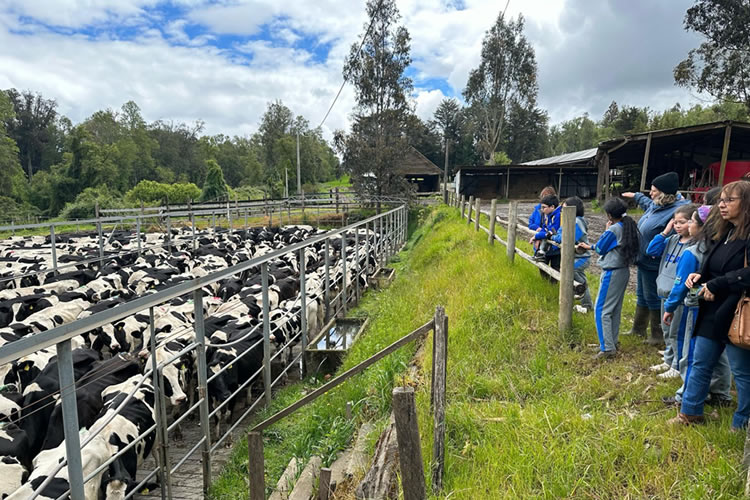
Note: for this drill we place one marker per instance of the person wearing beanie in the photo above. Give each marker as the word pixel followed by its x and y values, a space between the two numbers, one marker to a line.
pixel 659 207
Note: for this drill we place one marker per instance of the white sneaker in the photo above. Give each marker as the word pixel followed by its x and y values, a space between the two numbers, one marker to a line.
pixel 671 373
pixel 660 367
pixel 661 353
pixel 580 309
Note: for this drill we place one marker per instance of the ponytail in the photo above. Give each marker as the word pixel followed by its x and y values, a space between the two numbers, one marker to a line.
pixel 631 240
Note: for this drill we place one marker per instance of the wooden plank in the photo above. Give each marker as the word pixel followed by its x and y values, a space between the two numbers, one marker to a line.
pixel 471 204
pixel 567 260
pixel 255 466
pixel 725 153
pixel 324 484
pixel 409 444
pixel 439 361
pixel 646 155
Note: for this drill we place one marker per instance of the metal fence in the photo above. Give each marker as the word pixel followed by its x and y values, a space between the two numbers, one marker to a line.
pixel 388 231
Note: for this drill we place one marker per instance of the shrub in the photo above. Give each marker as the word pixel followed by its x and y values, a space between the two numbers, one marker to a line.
pixel 83 207
pixel 158 192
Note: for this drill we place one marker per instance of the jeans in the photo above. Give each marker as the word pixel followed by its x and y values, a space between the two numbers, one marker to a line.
pixel 579 274
pixel 645 290
pixel 707 353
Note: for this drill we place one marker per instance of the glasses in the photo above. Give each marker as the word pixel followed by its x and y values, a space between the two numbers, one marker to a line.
pixel 727 201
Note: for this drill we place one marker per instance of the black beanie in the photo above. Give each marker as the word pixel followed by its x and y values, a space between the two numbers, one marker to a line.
pixel 667 183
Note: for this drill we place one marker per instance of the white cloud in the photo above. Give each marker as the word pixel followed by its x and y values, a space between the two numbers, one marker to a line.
pixel 79 13
pixel 427 102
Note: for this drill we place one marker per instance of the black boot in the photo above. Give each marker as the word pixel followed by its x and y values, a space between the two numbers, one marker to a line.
pixel 640 322
pixel 656 335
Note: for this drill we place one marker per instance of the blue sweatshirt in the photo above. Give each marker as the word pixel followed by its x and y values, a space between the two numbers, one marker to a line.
pixel 550 225
pixel 653 221
pixel 609 249
pixel 691 262
pixel 535 219
pixel 582 236
pixel 670 250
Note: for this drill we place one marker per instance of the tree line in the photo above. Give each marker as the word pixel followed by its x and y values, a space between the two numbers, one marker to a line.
pixel 51 167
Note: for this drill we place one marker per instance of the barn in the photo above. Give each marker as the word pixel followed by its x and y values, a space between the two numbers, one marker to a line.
pixel 420 171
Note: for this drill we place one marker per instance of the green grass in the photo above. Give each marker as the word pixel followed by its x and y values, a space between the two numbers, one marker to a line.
pixel 342 182
pixel 529 414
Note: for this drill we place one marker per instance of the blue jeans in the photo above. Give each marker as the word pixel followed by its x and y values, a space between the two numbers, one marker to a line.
pixel 707 353
pixel 645 290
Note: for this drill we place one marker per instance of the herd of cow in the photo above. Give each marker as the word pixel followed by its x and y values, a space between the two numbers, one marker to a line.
pixel 112 365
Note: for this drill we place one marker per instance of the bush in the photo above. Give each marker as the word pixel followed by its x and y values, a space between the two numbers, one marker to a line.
pixel 248 193
pixel 157 192
pixel 83 207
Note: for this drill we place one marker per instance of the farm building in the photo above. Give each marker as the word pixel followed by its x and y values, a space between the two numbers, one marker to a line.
pixel 703 155
pixel 420 171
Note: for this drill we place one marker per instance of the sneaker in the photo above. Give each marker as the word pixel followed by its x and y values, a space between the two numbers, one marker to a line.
pixel 717 400
pixel 661 353
pixel 579 288
pixel 604 355
pixel 580 309
pixel 540 257
pixel 671 373
pixel 670 401
pixel 660 367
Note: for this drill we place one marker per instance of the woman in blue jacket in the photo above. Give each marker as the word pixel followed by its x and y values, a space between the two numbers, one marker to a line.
pixel 659 208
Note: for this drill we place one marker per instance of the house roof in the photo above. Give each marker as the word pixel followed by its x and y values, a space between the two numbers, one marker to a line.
pixel 415 163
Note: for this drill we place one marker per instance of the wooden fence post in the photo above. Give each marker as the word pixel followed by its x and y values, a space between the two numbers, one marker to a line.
pixel 471 205
pixel 409 446
pixel 477 213
pixel 324 484
pixel 439 373
pixel 255 466
pixel 463 206
pixel 512 229
pixel 567 261
pixel 493 218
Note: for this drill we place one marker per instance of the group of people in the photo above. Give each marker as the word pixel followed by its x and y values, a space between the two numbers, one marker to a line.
pixel 692 270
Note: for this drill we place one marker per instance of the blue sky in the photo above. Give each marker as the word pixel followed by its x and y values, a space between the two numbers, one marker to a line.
pixel 223 61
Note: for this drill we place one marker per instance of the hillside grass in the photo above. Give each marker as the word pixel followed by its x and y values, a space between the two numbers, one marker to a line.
pixel 530 414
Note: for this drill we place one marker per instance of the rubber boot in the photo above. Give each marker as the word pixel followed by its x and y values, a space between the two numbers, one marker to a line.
pixel 656 335
pixel 640 322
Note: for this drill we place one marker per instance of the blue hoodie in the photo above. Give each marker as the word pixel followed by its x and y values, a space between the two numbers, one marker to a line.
pixel 653 222
pixel 582 236
pixel 551 225
pixel 535 219
pixel 691 262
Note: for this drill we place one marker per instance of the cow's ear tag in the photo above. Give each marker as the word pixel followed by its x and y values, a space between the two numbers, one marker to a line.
pixel 230 367
pixel 31 308
pixel 26 368
pixel 144 491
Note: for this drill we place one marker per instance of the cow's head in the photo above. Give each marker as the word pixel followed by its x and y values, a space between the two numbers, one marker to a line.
pixel 176 375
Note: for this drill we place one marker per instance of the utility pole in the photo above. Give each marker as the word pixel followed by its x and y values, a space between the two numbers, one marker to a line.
pixel 445 173
pixel 286 182
pixel 299 176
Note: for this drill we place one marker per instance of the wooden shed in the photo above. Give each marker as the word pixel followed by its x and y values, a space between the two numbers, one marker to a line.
pixel 420 171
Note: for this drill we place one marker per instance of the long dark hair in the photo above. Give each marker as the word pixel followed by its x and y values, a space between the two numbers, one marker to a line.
pixel 631 237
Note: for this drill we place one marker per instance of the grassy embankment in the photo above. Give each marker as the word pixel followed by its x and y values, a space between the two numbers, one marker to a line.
pixel 530 414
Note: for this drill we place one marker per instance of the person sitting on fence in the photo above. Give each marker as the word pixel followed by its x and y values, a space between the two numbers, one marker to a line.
pixel 669 247
pixel 537 217
pixel 548 253
pixel 582 256
pixel 618 248
pixel 681 307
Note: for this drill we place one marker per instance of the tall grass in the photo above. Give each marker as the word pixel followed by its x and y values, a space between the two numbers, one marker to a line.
pixel 529 414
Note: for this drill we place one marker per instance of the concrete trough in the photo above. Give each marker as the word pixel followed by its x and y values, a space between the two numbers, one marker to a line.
pixel 326 351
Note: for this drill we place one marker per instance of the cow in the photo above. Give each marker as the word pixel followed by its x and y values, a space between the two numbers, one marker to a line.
pixel 12 475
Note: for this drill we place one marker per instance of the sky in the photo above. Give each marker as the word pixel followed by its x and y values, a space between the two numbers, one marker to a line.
pixel 223 61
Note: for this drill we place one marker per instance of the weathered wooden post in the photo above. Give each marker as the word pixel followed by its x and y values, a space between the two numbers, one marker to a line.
pixel 477 213
pixel 471 205
pixel 463 207
pixel 493 219
pixel 409 446
pixel 256 466
pixel 512 229
pixel 567 261
pixel 99 231
pixel 324 484
pixel 337 200
pixel 439 374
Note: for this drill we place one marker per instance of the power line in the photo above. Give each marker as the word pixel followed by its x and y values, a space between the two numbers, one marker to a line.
pixel 359 51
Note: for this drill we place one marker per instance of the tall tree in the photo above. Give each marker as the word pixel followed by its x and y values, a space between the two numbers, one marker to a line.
pixel 12 181
pixel 30 128
pixel 377 142
pixel 719 65
pixel 506 76
pixel 214 188
pixel 447 121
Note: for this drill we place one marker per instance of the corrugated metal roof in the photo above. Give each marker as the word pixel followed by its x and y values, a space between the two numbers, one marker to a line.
pixel 577 157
